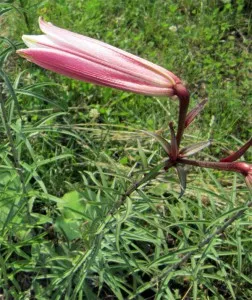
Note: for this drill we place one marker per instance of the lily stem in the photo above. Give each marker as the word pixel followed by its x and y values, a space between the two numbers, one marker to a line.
pixel 184 99
pixel 223 166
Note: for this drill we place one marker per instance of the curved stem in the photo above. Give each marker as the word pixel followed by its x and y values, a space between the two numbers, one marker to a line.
pixel 184 98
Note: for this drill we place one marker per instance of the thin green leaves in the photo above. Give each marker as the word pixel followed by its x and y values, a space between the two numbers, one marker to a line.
pixel 163 142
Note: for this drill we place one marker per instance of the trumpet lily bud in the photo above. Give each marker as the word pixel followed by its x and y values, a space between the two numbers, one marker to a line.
pixel 93 61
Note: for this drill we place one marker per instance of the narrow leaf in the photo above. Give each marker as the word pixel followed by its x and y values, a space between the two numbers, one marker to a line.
pixel 163 142
pixel 182 179
pixel 8 41
pixel 11 91
pixel 193 113
pixel 234 156
pixel 193 149
pixel 38 96
pixel 142 155
pixel 5 10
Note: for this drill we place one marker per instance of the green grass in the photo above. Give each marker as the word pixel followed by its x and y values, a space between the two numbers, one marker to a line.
pixel 69 150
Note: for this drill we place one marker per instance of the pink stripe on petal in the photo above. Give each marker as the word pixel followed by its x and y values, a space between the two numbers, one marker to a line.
pixel 108 55
pixel 86 70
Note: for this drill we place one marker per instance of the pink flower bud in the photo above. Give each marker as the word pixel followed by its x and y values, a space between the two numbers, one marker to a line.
pixel 90 60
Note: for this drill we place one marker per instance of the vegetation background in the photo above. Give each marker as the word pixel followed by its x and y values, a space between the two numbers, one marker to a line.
pixel 68 150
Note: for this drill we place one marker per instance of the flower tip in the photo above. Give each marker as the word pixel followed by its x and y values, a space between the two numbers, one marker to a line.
pixel 20 52
pixel 25 38
pixel 29 40
pixel 43 23
pixel 23 53
pixel 41 20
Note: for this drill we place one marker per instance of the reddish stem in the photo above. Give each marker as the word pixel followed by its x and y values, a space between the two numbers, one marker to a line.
pixel 184 98
pixel 174 146
pixel 240 167
pixel 168 164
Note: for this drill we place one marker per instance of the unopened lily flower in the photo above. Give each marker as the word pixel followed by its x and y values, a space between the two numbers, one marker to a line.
pixel 93 61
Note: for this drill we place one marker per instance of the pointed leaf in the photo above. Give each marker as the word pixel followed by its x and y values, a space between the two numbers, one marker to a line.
pixel 193 113
pixel 182 178
pixel 142 155
pixel 40 97
pixel 163 142
pixel 234 156
pixel 5 10
pixel 11 91
pixel 193 149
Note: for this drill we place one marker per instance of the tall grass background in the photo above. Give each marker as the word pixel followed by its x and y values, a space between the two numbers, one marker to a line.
pixel 69 150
